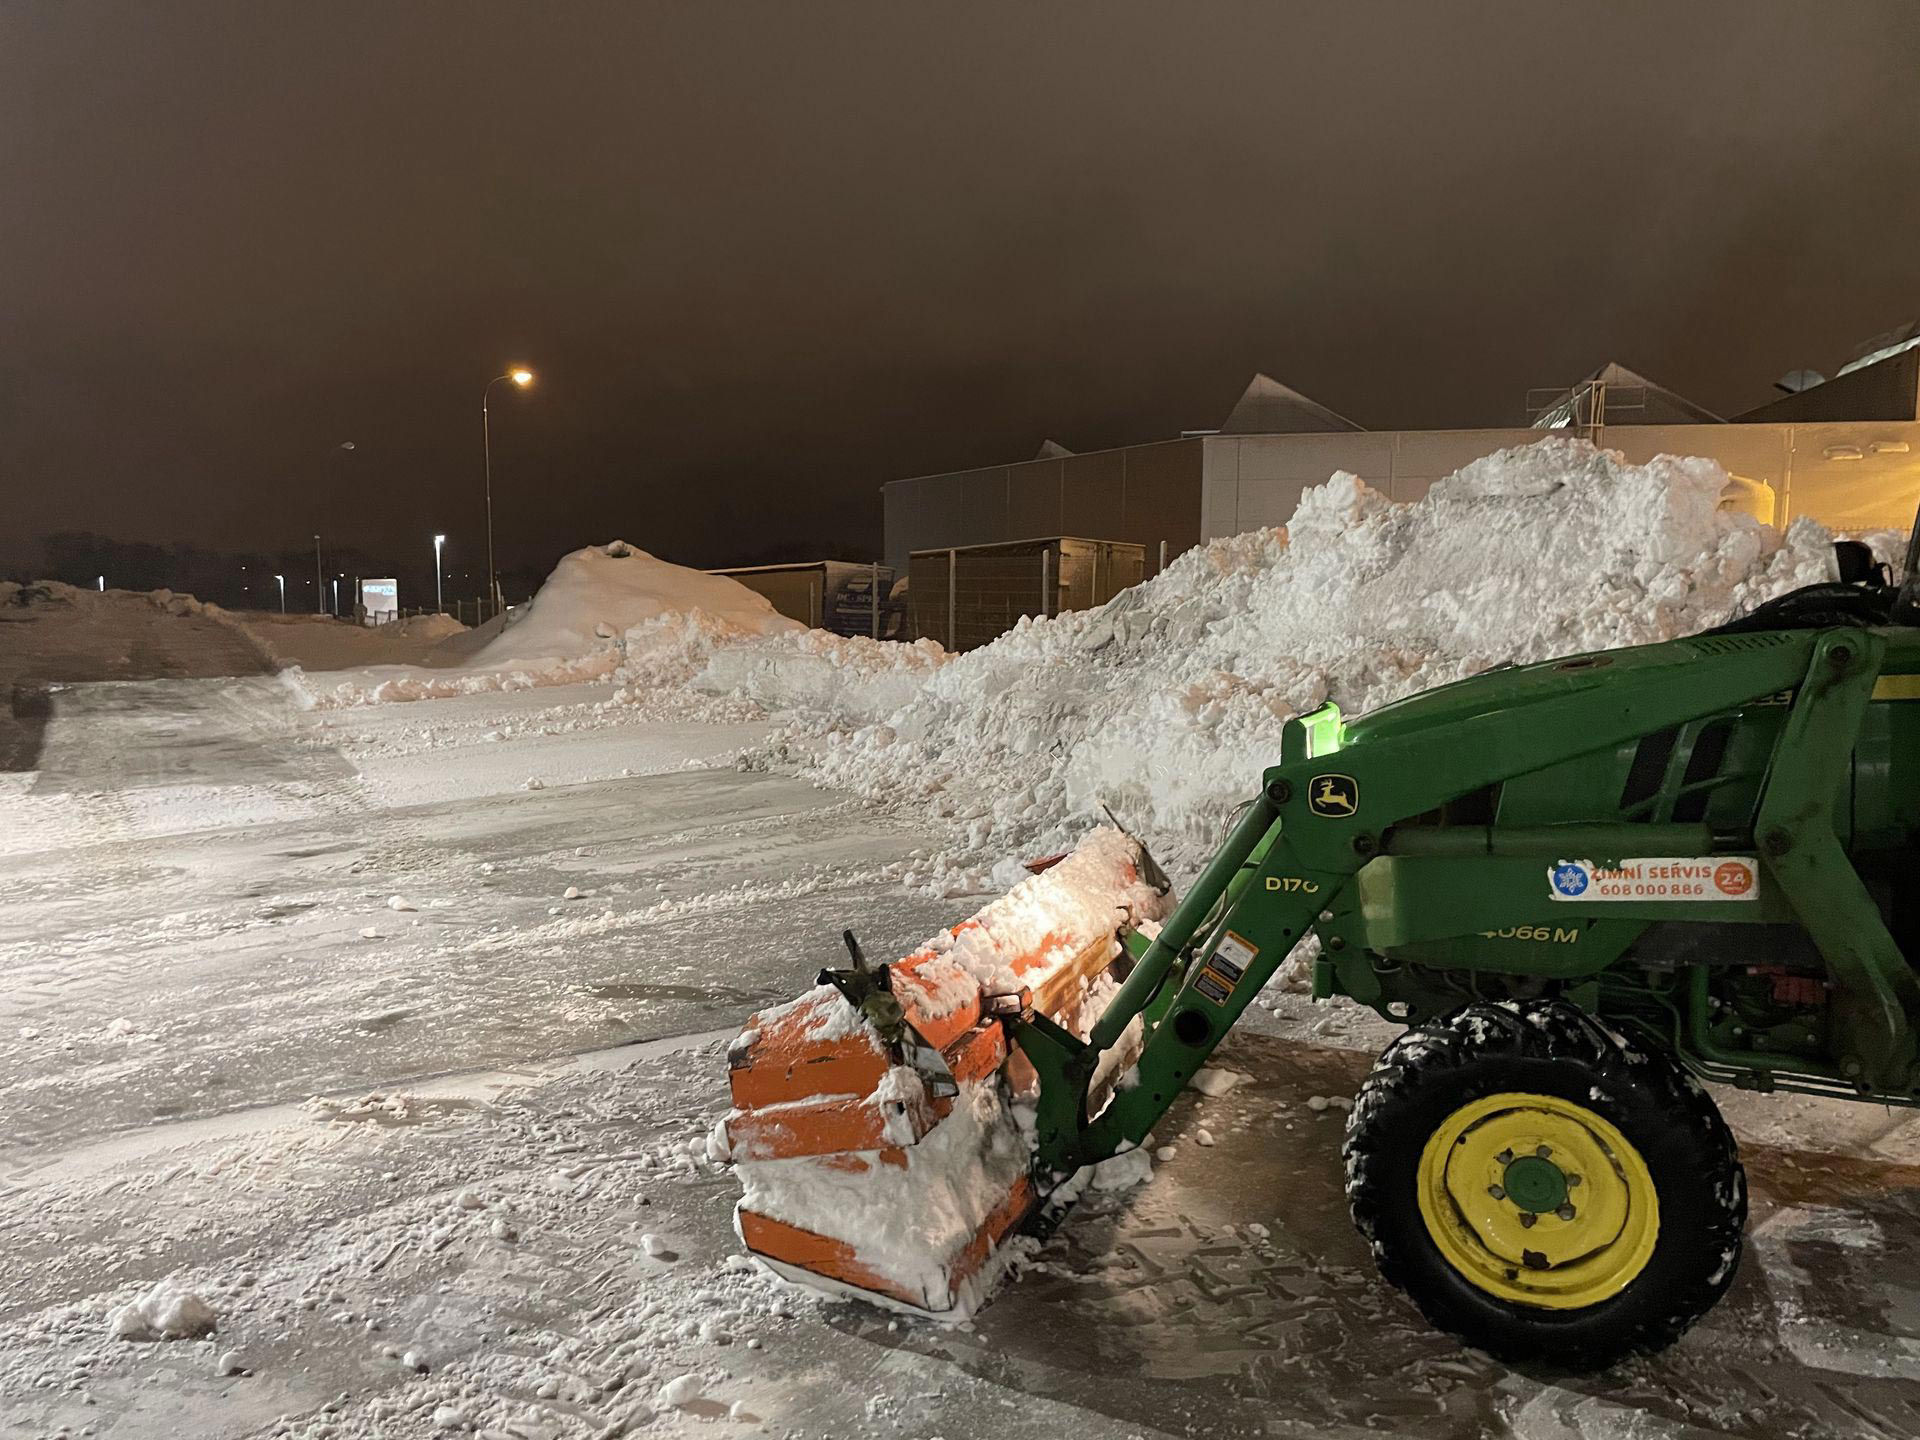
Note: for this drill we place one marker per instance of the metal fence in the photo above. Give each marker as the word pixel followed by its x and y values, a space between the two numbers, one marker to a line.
pixel 476 611
pixel 967 596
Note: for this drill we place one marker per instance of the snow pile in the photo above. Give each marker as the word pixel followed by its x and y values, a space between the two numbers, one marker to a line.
pixel 607 612
pixel 424 627
pixel 1167 702
pixel 56 595
pixel 165 1312
pixel 52 631
pixel 851 677
pixel 669 652
pixel 596 595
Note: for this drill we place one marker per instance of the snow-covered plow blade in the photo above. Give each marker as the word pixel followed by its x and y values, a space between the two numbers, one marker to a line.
pixel 877 1125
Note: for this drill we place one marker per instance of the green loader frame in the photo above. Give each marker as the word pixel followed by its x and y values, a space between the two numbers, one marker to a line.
pixel 1291 866
pixel 1532 1160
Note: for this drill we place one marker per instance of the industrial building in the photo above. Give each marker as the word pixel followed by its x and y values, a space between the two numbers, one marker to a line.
pixel 1845 451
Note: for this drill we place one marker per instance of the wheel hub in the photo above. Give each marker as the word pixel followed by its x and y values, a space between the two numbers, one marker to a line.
pixel 1538 1200
pixel 1535 1184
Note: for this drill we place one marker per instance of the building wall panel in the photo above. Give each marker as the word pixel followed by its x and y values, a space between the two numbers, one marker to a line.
pixel 1162 493
pixel 1856 475
pixel 1143 495
pixel 1093 495
pixel 1033 499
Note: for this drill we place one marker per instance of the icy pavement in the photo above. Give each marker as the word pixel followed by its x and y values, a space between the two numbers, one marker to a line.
pixel 552 1249
pixel 209 899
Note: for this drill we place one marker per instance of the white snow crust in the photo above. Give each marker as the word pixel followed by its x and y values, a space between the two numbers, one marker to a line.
pixel 1166 703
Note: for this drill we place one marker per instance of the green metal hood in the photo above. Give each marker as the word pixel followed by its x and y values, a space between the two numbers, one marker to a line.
pixel 1519 686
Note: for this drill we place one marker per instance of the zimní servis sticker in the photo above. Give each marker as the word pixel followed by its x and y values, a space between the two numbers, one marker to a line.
pixel 1692 878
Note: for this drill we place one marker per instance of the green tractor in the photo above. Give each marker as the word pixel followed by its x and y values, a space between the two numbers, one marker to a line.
pixel 1583 885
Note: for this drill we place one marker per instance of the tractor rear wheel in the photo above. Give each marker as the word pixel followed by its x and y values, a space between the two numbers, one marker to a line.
pixel 1542 1188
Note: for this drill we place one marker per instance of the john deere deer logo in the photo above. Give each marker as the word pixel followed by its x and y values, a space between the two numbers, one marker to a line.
pixel 1333 796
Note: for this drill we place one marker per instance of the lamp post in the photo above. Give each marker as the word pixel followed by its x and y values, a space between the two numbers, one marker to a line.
pixel 438 604
pixel 522 377
pixel 319 585
pixel 283 593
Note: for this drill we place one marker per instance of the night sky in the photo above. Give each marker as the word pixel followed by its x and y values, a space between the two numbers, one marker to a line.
pixel 765 257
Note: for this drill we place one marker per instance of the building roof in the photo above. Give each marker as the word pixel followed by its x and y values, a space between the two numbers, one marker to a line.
pixel 1614 395
pixel 1884 347
pixel 1267 407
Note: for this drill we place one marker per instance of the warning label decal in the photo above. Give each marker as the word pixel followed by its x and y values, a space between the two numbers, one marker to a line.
pixel 1696 877
pixel 1224 968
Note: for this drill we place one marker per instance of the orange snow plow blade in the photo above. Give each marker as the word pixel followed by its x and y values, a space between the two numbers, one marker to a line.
pixel 877 1144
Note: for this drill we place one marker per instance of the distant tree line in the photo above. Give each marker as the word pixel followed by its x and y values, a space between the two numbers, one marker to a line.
pixel 243 580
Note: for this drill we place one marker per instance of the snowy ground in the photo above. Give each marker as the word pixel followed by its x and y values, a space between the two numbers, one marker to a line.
pixel 212 899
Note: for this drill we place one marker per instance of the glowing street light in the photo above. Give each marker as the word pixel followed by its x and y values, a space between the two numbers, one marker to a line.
pixel 438 603
pixel 283 593
pixel 522 377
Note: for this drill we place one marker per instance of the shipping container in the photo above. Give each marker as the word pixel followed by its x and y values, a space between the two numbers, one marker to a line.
pixel 847 597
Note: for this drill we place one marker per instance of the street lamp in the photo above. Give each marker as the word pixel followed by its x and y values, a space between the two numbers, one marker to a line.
pixel 522 377
pixel 319 585
pixel 438 604
pixel 283 593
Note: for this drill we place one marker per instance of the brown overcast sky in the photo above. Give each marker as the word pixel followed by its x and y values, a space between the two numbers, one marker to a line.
pixel 765 256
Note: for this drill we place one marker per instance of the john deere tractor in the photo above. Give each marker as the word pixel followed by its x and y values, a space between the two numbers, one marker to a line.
pixel 1584 885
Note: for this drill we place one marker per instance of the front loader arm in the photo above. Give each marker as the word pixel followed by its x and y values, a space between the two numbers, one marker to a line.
pixel 1321 819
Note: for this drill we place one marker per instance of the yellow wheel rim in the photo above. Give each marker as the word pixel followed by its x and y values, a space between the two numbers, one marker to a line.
pixel 1538 1201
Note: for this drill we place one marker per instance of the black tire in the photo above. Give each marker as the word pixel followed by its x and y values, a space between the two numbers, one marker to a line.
pixel 1553 1049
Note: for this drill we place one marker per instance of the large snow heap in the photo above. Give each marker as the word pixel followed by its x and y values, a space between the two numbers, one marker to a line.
pixel 1166 703
pixel 607 613
pixel 594 596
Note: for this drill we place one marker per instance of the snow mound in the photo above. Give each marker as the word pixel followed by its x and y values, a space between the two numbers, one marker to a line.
pixel 57 595
pixel 595 595
pixel 606 613
pixel 165 1312
pixel 425 627
pixel 1167 702
pixel 849 676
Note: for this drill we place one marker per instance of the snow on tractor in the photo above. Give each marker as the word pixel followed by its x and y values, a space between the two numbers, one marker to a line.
pixel 1581 884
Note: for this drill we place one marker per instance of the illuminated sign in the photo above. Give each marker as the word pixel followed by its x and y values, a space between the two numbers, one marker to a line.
pixel 381 599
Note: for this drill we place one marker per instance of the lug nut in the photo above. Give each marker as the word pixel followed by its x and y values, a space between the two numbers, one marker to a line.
pixel 1527 1217
pixel 1505 1157
pixel 1496 1192
pixel 1565 1212
pixel 1543 1151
